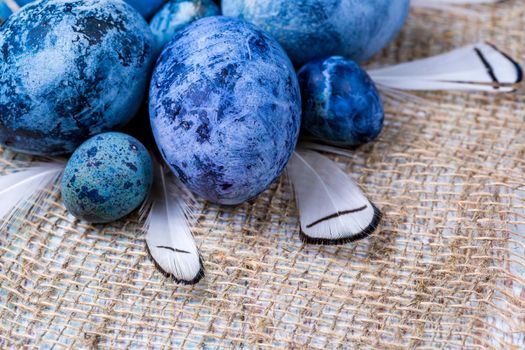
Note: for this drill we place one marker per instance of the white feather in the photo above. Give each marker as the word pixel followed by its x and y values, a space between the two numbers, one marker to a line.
pixel 12 5
pixel 480 67
pixel 23 187
pixel 453 6
pixel 396 95
pixel 168 233
pixel 332 208
pixel 325 148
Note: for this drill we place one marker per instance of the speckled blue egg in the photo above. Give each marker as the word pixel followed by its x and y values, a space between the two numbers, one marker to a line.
pixel 107 178
pixel 8 7
pixel 225 108
pixel 176 15
pixel 147 8
pixel 314 29
pixel 341 104
pixel 70 69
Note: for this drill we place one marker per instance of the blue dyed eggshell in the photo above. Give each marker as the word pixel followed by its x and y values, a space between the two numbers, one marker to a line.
pixel 225 108
pixel 314 29
pixel 341 103
pixel 69 70
pixel 107 178
pixel 146 7
pixel 176 15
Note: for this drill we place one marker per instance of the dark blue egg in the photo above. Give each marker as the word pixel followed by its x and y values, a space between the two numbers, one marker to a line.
pixel 69 70
pixel 146 7
pixel 107 178
pixel 341 104
pixel 176 15
pixel 8 7
pixel 314 29
pixel 225 108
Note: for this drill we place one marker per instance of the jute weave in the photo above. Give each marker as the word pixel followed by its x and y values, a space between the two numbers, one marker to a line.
pixel 445 271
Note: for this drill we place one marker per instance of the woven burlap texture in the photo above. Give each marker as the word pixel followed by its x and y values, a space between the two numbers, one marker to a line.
pixel 446 269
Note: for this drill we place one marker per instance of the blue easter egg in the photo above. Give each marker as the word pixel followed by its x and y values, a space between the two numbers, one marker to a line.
pixel 8 7
pixel 341 104
pixel 313 29
pixel 176 15
pixel 107 178
pixel 225 108
pixel 69 70
pixel 146 7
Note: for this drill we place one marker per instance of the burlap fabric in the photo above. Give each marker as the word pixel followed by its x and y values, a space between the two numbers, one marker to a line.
pixel 446 270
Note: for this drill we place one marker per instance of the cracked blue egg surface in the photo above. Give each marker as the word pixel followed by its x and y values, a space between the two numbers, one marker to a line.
pixel 225 108
pixel 107 178
pixel 176 15
pixel 70 69
pixel 146 8
pixel 341 103
pixel 314 29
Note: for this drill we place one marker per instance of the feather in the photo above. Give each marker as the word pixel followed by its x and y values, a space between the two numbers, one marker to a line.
pixel 12 5
pixel 426 3
pixel 453 6
pixel 332 208
pixel 25 186
pixel 325 148
pixel 480 67
pixel 168 234
pixel 396 95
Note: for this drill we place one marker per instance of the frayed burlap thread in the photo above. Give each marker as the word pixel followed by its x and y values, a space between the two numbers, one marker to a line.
pixel 445 271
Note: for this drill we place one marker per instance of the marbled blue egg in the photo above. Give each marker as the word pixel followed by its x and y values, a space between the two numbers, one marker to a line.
pixel 107 178
pixel 147 8
pixel 70 69
pixel 176 15
pixel 341 104
pixel 225 108
pixel 8 7
pixel 314 29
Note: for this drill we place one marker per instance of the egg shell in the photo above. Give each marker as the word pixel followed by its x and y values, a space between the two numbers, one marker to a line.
pixel 314 29
pixel 107 178
pixel 341 103
pixel 69 70
pixel 146 7
pixel 176 15
pixel 225 108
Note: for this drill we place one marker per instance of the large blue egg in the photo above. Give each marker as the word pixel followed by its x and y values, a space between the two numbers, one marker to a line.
pixel 225 108
pixel 313 29
pixel 146 7
pixel 107 178
pixel 69 70
pixel 341 104
pixel 176 15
